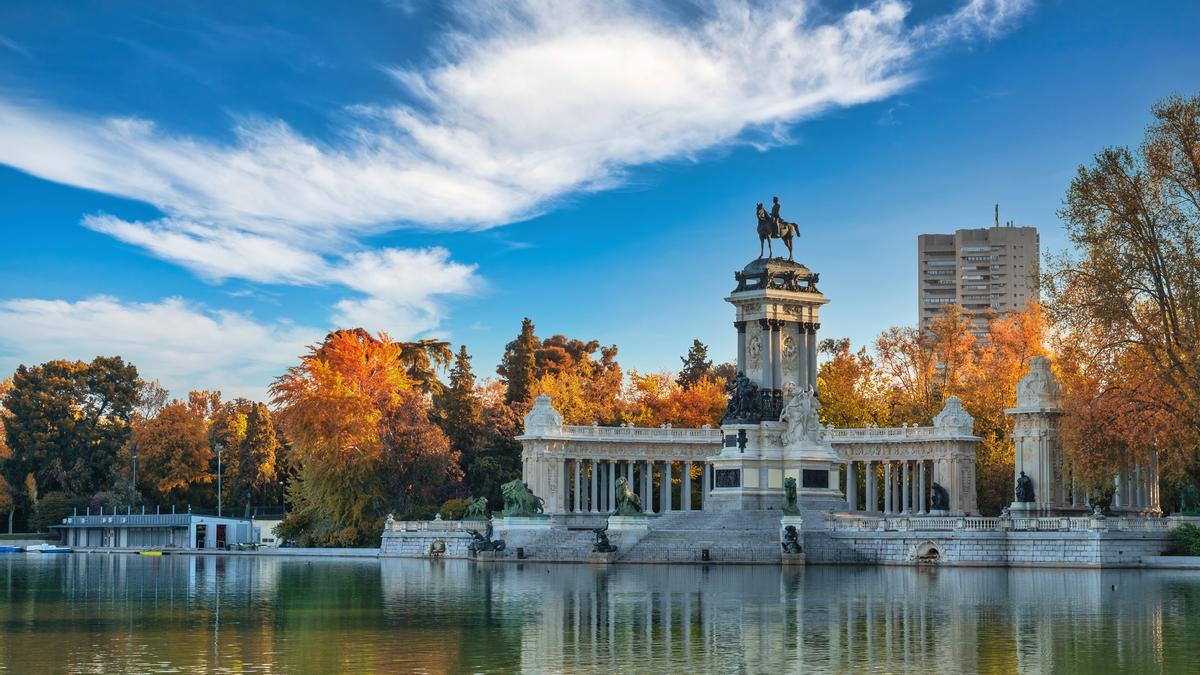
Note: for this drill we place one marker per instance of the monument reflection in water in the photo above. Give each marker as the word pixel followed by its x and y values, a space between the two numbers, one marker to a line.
pixel 92 613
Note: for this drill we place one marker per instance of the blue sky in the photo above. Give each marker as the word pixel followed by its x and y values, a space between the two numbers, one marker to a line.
pixel 205 188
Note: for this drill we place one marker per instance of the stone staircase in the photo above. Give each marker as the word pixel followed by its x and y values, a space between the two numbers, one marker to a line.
pixel 729 536
pixel 553 545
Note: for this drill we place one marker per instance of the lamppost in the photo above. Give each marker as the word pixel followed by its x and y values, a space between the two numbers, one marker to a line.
pixel 220 447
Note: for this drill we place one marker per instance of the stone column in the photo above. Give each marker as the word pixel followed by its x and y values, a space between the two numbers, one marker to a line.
pixel 1117 502
pixel 851 487
pixel 685 499
pixel 595 505
pixel 777 341
pixel 906 482
pixel 579 494
pixel 612 486
pixel 648 487
pixel 887 487
pixel 801 357
pixel 921 489
pixel 869 480
pixel 666 487
pixel 811 348
pixel 741 345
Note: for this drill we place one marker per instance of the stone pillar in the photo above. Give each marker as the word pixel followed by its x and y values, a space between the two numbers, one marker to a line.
pixel 595 504
pixel 1117 502
pixel 921 491
pixel 667 487
pixel 906 482
pixel 576 481
pixel 801 357
pixel 777 359
pixel 887 487
pixel 741 345
pixel 768 353
pixel 869 480
pixel 612 486
pixel 685 500
pixel 648 486
pixel 811 348
pixel 851 487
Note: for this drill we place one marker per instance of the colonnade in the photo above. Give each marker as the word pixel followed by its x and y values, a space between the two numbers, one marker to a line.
pixel 590 485
pixel 903 486
pixel 789 350
pixel 1137 488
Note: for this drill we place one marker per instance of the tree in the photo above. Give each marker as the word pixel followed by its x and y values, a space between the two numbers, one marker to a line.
pixel 696 365
pixel 257 455
pixel 518 368
pixel 422 359
pixel 361 437
pixel 1128 299
pixel 174 452
pixel 458 410
pixel 853 393
pixel 655 399
pixel 67 421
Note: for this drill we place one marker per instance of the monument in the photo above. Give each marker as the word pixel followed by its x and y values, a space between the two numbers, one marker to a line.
pixel 1042 480
pixel 771 428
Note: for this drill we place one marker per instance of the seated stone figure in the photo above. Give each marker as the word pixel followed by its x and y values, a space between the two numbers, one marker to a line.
pixel 601 543
pixel 628 503
pixel 939 500
pixel 790 506
pixel 791 540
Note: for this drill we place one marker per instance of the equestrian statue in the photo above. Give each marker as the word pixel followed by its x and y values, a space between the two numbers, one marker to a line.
pixel 773 226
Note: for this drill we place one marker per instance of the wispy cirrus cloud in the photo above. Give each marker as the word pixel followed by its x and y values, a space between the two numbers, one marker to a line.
pixel 525 104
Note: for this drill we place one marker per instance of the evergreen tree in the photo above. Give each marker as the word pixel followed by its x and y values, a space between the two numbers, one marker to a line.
pixel 458 410
pixel 696 365
pixel 519 368
pixel 257 459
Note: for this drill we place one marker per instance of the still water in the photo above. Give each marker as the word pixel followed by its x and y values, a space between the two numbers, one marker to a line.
pixel 84 613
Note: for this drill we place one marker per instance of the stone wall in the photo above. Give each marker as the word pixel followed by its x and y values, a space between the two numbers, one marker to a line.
pixel 418 543
pixel 1003 549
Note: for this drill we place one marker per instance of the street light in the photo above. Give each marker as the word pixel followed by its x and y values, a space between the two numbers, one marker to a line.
pixel 220 447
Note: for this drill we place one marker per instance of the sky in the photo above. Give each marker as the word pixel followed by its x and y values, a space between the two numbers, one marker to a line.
pixel 207 188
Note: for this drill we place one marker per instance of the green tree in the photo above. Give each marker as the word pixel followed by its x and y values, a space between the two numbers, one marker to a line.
pixel 696 365
pixel 518 368
pixel 423 358
pixel 257 455
pixel 67 422
pixel 458 410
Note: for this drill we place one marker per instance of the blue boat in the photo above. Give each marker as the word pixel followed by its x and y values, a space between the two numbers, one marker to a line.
pixel 11 549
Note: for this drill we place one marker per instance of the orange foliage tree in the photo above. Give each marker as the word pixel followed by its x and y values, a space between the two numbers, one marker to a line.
pixel 361 438
pixel 655 399
pixel 173 451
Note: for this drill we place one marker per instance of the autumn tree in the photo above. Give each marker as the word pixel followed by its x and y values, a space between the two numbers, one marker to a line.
pixel 173 452
pixel 696 365
pixel 67 421
pixel 8 502
pixel 655 399
pixel 361 437
pixel 852 390
pixel 1126 301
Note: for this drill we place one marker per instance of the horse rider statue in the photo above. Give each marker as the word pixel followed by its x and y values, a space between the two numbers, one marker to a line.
pixel 773 226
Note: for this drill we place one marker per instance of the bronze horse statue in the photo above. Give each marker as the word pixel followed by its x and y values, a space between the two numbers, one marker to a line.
pixel 767 231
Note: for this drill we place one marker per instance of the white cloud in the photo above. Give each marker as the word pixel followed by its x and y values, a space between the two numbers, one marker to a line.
pixel 526 104
pixel 184 345
pixel 529 102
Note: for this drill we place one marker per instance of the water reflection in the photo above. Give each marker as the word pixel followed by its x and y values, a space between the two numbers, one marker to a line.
pixel 105 613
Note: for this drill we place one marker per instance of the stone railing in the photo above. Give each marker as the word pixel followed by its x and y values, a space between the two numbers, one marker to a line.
pixel 881 433
pixel 983 524
pixel 668 434
pixel 435 525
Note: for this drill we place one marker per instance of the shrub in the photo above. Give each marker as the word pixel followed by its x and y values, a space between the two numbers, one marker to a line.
pixel 452 509
pixel 1187 539
pixel 50 510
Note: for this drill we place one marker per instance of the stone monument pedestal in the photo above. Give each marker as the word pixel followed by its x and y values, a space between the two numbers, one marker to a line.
pixel 793 560
pixel 625 531
pixel 522 523
pixel 603 558
pixel 485 556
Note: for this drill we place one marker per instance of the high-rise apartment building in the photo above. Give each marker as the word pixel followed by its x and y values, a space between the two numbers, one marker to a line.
pixel 990 270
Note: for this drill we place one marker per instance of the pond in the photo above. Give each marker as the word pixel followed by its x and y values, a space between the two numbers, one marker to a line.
pixel 95 613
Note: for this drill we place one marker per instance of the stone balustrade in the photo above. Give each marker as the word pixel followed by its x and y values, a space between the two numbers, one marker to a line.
pixel 651 434
pixel 984 524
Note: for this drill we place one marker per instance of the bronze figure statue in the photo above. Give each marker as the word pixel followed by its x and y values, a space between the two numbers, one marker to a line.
pixel 1024 490
pixel 791 540
pixel 773 226
pixel 601 544
pixel 484 542
pixel 939 498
